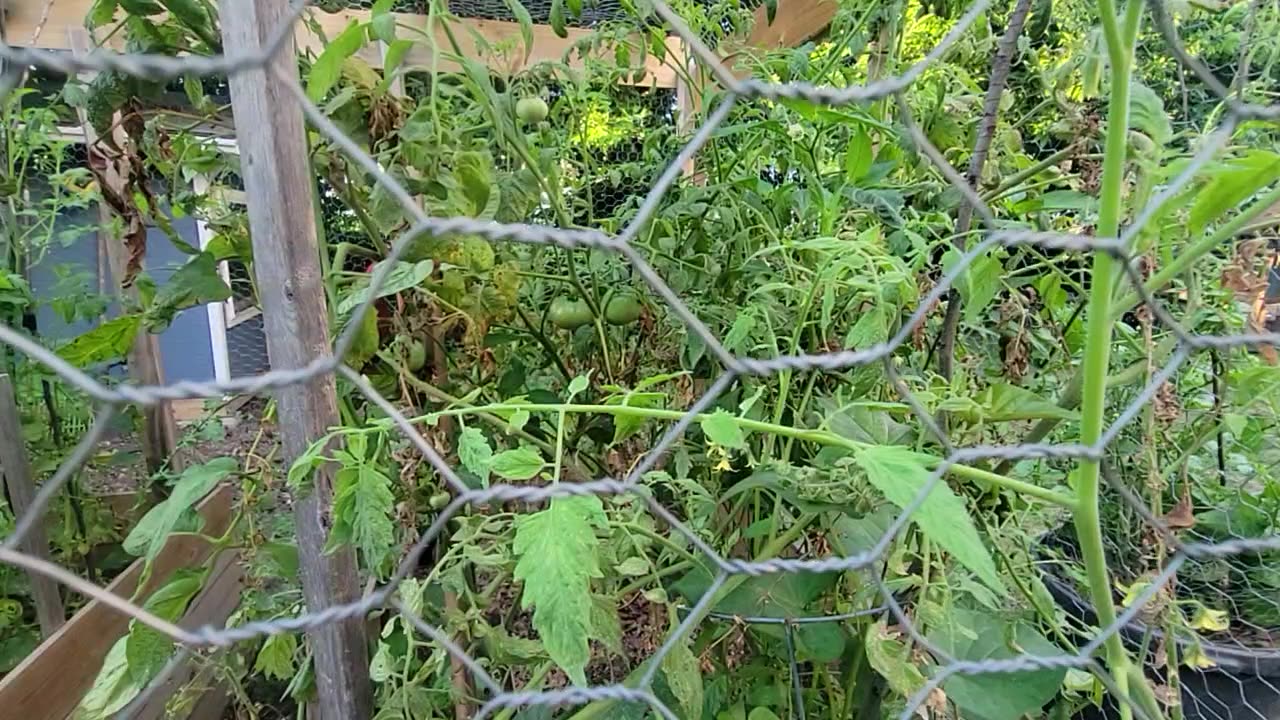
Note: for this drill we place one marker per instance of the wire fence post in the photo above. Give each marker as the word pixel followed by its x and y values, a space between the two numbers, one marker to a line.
pixel 278 177
pixel 18 481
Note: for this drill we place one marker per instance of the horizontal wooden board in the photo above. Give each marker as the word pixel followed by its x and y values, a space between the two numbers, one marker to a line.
pixel 27 24
pixel 50 682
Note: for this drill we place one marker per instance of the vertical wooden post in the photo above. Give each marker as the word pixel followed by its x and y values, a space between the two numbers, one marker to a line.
pixel 688 102
pixel 277 176
pixel 18 481
pixel 160 428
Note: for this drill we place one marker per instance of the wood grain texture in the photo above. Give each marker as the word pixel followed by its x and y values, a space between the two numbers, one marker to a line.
pixel 50 682
pixel 796 22
pixel 278 181
pixel 20 486
pixel 547 46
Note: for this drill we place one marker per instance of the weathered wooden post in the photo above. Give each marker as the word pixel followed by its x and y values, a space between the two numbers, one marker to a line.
pixel 18 480
pixel 277 177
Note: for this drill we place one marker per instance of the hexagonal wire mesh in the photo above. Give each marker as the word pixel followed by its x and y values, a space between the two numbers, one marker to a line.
pixel 1208 559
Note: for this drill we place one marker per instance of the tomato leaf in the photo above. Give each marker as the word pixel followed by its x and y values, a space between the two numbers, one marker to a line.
pixel 275 659
pixel 151 532
pixel 362 508
pixel 1231 183
pixel 327 68
pixel 148 649
pixel 114 688
pixel 722 429
pixel 901 475
pixel 521 463
pixel 558 556
pixel 197 282
pixel 474 453
pixel 857 157
pixel 683 672
pixel 109 341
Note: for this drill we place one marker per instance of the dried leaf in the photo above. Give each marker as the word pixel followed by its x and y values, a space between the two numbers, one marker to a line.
pixel 1181 517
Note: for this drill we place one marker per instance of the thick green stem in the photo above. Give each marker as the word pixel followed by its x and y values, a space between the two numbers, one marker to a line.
pixel 1120 45
pixel 819 437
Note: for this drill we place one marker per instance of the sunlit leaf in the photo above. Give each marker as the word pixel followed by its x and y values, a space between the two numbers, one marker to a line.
pixel 722 429
pixel 521 463
pixel 902 475
pixel 109 341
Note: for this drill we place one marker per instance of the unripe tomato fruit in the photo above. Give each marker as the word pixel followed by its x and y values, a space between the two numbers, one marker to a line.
pixel 531 110
pixel 623 309
pixel 569 314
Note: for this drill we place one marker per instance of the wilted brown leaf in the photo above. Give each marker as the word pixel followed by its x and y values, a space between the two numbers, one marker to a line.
pixel 1181 517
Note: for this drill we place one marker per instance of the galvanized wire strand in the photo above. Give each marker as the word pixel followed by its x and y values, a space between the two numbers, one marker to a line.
pixel 734 367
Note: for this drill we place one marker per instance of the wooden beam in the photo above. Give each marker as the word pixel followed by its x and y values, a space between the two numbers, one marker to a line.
pixel 795 23
pixel 51 681
pixel 24 23
pixel 280 184
pixel 21 488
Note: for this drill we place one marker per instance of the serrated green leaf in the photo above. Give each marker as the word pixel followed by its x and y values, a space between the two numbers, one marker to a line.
pixel 1005 402
pixel 606 626
pixel 521 463
pixel 275 659
pixel 1234 181
pixel 858 156
pixel 474 452
pixel 152 531
pixel 978 284
pixel 327 68
pixel 624 426
pixel 109 341
pixel 101 12
pixel 362 507
pixel 683 673
pixel 722 428
pixel 634 566
pixel 558 556
pixel 901 475
pixel 890 656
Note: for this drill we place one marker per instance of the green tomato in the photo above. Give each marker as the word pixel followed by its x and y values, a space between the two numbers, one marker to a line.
pixel 569 314
pixel 531 110
pixel 623 309
pixel 417 355
pixel 439 500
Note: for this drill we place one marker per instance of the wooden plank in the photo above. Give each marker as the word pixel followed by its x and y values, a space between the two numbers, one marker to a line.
pixel 64 15
pixel 50 682
pixel 215 603
pixel 282 222
pixel 796 22
pixel 21 488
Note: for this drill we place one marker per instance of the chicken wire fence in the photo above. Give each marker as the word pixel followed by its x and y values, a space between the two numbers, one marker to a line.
pixel 1189 553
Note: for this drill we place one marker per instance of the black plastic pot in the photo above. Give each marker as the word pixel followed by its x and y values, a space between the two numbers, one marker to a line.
pixel 1243 685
